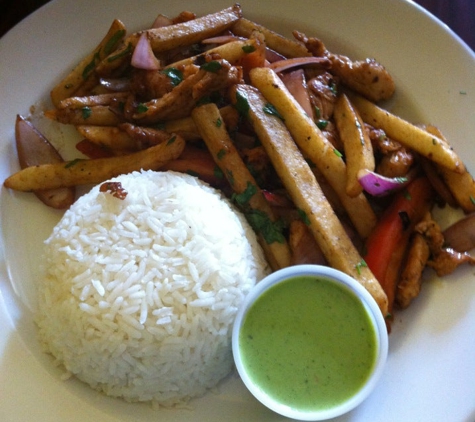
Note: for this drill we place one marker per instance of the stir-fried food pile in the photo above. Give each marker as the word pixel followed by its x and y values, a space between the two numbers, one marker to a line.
pixel 289 130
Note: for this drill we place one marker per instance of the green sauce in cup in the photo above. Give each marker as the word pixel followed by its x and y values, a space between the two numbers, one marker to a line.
pixel 308 343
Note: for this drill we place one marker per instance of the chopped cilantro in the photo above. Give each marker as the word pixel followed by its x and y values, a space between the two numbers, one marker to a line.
pixel 270 109
pixel 121 54
pixel 112 43
pixel 318 112
pixel 304 217
pixel 86 112
pixel 90 66
pixel 242 104
pixel 243 198
pixel 322 124
pixel 213 66
pixel 221 153
pixel 218 173
pixel 262 224
pixel 72 163
pixel 230 177
pixel 171 140
pixel 360 265
pixel 142 108
pixel 175 75
pixel 248 49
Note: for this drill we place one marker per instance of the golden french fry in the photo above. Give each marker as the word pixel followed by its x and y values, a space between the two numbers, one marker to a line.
pixel 81 172
pixel 69 85
pixel 306 194
pixel 460 185
pixel 315 147
pixel 92 100
pixel 231 52
pixel 359 153
pixel 213 131
pixel 94 116
pixel 283 45
pixel 186 127
pixel 409 135
pixel 178 35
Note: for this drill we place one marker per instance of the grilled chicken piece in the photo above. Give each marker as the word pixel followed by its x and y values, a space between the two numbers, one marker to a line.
pixel 396 163
pixel 305 249
pixel 367 77
pixel 410 282
pixel 443 260
pixel 323 94
pixel 185 96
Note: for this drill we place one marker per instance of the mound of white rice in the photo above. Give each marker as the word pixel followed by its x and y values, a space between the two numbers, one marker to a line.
pixel 139 295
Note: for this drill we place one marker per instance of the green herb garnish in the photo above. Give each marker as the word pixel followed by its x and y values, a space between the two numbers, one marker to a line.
pixel 86 112
pixel 218 173
pixel 221 153
pixel 244 197
pixel 248 49
pixel 271 110
pixel 322 124
pixel 213 66
pixel 304 217
pixel 171 140
pixel 242 104
pixel 270 230
pixel 142 108
pixel 175 75
pixel 112 43
pixel 90 66
pixel 121 54
pixel 72 163
pixel 360 265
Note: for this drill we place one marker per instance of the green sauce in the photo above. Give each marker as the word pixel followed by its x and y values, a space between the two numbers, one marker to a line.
pixel 308 343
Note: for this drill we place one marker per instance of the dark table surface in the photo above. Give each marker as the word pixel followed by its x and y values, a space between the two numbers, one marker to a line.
pixel 457 14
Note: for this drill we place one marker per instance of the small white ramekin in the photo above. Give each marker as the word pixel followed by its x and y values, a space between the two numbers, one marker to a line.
pixel 374 316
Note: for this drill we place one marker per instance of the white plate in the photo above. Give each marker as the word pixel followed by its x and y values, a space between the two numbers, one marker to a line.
pixel 431 369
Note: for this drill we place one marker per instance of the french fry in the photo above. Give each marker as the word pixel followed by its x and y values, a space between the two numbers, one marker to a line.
pixel 306 194
pixel 92 100
pixel 283 45
pixel 315 147
pixel 77 77
pixel 99 115
pixel 187 129
pixel 213 131
pixel 178 35
pixel 409 135
pixel 81 172
pixel 460 185
pixel 231 52
pixel 359 153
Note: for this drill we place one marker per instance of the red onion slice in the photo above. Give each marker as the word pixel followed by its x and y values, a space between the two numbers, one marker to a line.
pixel 143 57
pixel 377 185
pixel 281 65
pixel 161 21
pixel 222 39
pixel 297 85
